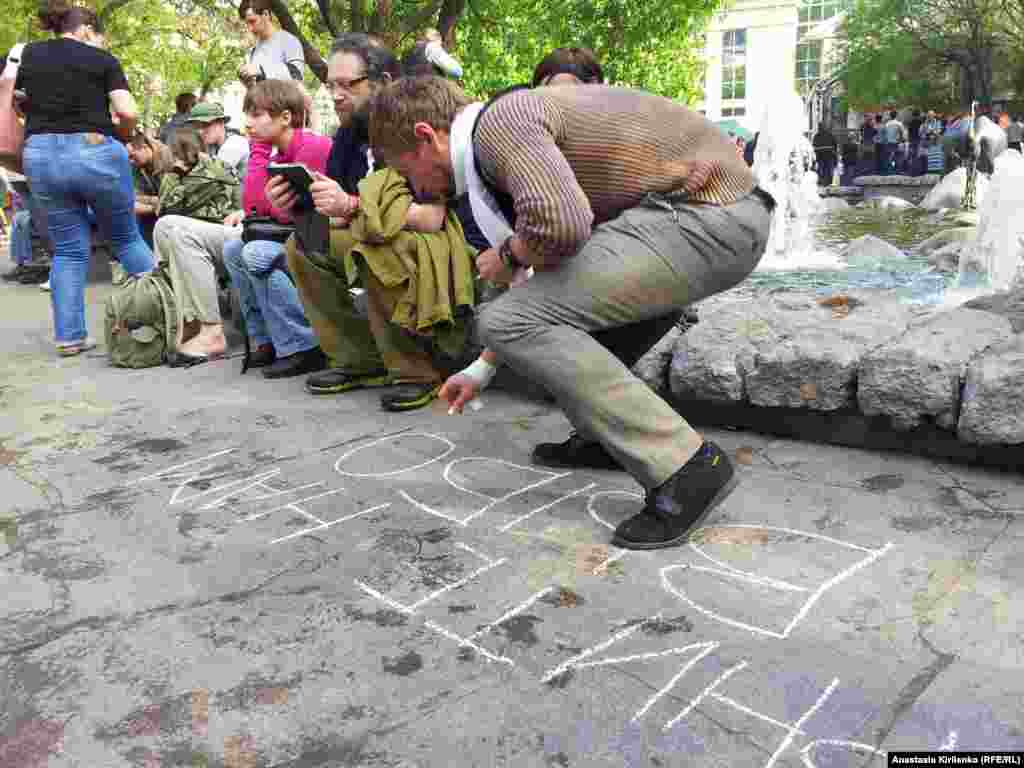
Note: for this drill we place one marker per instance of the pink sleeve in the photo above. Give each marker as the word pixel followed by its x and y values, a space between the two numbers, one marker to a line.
pixel 314 152
pixel 253 196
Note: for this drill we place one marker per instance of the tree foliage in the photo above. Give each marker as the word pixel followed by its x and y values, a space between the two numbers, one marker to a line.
pixel 168 46
pixel 929 51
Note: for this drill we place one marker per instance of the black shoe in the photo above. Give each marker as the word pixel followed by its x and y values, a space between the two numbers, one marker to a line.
pixel 262 356
pixel 307 361
pixel 409 396
pixel 574 453
pixel 14 275
pixel 34 275
pixel 338 380
pixel 681 503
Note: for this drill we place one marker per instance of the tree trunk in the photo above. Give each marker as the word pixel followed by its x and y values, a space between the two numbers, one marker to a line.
pixel 313 58
pixel 448 17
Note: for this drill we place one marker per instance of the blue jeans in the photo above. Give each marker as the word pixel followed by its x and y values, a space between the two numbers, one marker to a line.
pixel 21 238
pixel 270 302
pixel 69 174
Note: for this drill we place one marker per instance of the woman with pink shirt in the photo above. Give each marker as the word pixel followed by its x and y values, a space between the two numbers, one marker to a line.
pixel 279 334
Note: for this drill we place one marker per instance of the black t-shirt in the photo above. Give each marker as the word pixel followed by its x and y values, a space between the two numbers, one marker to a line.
pixel 67 84
pixel 914 128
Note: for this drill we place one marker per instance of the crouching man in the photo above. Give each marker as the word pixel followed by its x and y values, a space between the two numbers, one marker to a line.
pixel 628 206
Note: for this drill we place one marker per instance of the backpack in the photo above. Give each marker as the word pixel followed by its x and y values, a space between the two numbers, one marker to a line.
pixel 209 192
pixel 141 321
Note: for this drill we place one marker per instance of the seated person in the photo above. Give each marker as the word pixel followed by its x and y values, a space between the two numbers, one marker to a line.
pixel 150 159
pixel 273 314
pixel 199 210
pixel 209 120
pixel 25 271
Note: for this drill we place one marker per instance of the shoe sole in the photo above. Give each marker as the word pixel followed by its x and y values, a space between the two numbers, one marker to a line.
pixel 370 381
pixel 411 405
pixel 717 499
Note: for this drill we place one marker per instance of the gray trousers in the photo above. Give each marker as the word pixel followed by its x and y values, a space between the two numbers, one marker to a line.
pixel 193 251
pixel 649 261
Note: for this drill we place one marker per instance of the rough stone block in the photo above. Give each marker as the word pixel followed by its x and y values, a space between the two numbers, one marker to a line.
pixel 993 396
pixel 816 361
pixel 652 368
pixel 870 252
pixel 917 375
pixel 941 239
pixel 708 360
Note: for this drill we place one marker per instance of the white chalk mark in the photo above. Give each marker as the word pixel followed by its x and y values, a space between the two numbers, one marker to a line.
pixel 950 743
pixel 448 450
pixel 274 493
pixel 176 469
pixel 332 522
pixel 292 506
pixel 842 576
pixel 391 603
pixel 782 586
pixel 798 725
pixel 694 703
pixel 546 507
pixel 593 512
pixel 429 510
pixel 465 642
pixel 729 572
pixel 481 555
pixel 551 477
pixel 238 486
pixel 752 713
pixel 509 614
pixel 856 746
pixel 705 649
pixel 586 654
pixel 409 611
pixel 460 583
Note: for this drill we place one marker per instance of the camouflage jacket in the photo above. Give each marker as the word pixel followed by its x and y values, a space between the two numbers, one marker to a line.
pixel 210 191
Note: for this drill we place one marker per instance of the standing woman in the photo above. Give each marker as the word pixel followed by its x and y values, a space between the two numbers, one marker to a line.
pixel 74 160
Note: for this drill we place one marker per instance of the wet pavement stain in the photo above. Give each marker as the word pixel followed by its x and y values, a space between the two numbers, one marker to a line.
pixel 667 626
pixel 562 680
pixel 353 713
pixel 187 521
pixel 382 618
pixel 882 483
pixel 519 629
pixel 157 445
pixel 116 502
pixel 404 665
pixel 915 523
pixel 345 752
pixel 563 598
pixel 462 608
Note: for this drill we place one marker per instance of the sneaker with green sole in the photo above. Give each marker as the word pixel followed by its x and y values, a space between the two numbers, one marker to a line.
pixel 334 381
pixel 408 396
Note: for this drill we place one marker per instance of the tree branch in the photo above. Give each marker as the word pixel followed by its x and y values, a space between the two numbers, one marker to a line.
pixel 309 52
pixel 325 14
pixel 108 10
pixel 448 17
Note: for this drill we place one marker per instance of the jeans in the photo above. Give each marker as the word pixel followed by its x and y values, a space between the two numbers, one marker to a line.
pixel 21 238
pixel 68 174
pixel 269 300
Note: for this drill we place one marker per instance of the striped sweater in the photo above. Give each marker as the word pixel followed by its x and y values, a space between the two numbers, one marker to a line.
pixel 574 157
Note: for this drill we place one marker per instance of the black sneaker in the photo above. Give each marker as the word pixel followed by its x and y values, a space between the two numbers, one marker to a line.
pixel 338 380
pixel 14 275
pixel 574 453
pixel 307 361
pixel 681 503
pixel 34 275
pixel 409 396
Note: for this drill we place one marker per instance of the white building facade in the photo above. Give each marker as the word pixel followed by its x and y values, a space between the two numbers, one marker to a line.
pixel 758 49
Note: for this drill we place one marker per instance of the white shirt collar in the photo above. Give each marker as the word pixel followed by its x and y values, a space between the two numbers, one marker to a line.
pixel 460 144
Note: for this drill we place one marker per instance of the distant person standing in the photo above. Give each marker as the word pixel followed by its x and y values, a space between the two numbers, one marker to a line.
pixel 895 135
pixel 183 103
pixel 826 151
pixel 277 55
pixel 73 161
pixel 1015 134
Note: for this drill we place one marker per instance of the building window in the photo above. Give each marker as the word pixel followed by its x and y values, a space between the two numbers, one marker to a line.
pixel 808 53
pixel 734 111
pixel 734 65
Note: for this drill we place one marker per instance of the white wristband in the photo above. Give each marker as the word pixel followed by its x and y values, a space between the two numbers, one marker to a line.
pixel 481 372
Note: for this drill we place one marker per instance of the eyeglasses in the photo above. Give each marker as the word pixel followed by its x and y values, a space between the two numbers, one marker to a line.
pixel 348 86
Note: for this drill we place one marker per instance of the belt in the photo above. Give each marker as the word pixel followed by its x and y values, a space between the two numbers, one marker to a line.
pixel 767 199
